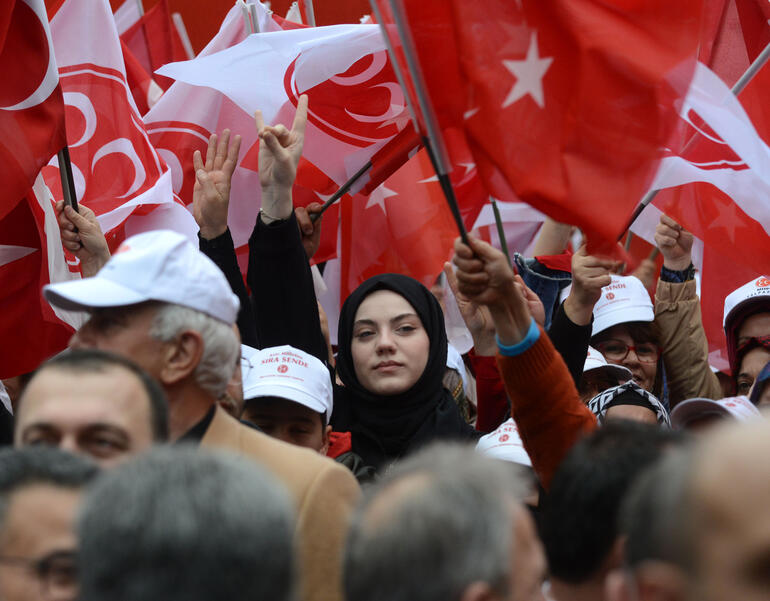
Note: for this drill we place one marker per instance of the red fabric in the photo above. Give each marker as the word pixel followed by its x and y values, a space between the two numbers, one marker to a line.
pixel 154 41
pixel 491 400
pixel 31 330
pixel 543 96
pixel 562 262
pixel 34 131
pixel 339 443
pixel 389 159
pixel 546 406
pixel 138 79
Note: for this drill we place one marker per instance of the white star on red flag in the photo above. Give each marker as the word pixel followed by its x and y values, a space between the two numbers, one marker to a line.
pixel 377 198
pixel 529 75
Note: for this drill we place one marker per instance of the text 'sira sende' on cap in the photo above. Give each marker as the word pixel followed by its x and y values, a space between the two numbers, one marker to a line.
pixel 624 299
pixel 161 265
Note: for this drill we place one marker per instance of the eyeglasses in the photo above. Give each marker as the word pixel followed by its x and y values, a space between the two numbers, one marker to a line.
pixel 56 571
pixel 246 367
pixel 617 350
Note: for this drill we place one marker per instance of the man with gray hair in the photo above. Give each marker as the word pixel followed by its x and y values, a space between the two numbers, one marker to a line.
pixel 166 306
pixel 40 491
pixel 697 525
pixel 445 525
pixel 201 526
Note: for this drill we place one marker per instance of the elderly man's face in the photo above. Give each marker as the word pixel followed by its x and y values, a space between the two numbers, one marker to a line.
pixel 124 331
pixel 37 544
pixel 105 415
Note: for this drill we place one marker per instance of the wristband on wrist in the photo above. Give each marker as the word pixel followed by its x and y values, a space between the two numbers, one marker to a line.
pixel 533 334
pixel 677 277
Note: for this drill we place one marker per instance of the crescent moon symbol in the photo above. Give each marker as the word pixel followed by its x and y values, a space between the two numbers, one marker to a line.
pixel 379 60
pixel 51 79
pixel 84 105
pixel 396 105
pixel 175 166
pixel 123 146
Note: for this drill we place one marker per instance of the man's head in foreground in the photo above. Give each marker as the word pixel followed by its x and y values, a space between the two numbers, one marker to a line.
pixel 579 516
pixel 288 395
pixel 92 403
pixel 40 490
pixel 166 306
pixel 444 525
pixel 697 524
pixel 180 524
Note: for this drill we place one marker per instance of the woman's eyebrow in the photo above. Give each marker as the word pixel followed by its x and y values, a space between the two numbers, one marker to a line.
pixel 403 316
pixel 364 322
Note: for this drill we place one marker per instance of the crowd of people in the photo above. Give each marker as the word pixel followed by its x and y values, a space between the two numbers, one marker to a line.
pixel 201 439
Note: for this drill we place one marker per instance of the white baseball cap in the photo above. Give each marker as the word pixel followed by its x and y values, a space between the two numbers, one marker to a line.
pixel 624 299
pixel 737 407
pixel 161 265
pixel 289 373
pixel 755 289
pixel 504 443
pixel 595 360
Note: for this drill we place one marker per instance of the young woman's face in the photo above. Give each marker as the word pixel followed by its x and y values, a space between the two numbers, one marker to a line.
pixel 390 345
pixel 644 372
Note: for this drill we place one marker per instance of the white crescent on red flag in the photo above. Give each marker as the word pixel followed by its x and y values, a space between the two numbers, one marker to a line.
pixel 31 107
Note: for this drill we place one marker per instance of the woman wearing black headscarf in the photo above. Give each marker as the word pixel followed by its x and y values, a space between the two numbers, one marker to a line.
pixel 391 361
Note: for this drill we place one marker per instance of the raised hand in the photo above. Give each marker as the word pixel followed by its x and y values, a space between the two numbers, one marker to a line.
pixel 211 193
pixel 675 244
pixel 279 154
pixel 589 275
pixel 82 236
pixel 477 318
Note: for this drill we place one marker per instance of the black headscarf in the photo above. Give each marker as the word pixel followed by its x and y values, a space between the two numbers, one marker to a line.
pixel 387 427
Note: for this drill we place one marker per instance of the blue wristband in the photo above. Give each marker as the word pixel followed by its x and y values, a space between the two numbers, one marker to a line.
pixel 533 335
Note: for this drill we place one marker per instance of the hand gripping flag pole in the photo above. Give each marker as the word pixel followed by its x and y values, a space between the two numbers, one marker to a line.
pixel 739 86
pixel 432 140
pixel 67 181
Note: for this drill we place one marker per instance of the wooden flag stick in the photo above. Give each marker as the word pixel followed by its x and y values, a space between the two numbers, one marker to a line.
pixel 739 86
pixel 67 181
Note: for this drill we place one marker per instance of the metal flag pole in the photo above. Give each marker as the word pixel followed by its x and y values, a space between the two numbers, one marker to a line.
pixel 67 181
pixel 344 188
pixel 433 142
pixel 500 229
pixel 739 86
pixel 254 20
pixel 309 12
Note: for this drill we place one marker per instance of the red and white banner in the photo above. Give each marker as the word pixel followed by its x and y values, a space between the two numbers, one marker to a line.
pixel 116 170
pixel 31 108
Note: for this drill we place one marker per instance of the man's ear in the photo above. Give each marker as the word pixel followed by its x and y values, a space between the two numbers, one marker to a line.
pixel 661 581
pixel 181 357
pixel 325 437
pixel 479 591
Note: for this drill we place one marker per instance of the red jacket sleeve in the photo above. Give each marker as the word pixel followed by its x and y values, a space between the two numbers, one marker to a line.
pixel 545 405
pixel 491 400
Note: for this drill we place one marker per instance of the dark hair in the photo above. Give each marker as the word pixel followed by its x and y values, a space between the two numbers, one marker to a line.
pixel 93 360
pixel 41 465
pixel 579 521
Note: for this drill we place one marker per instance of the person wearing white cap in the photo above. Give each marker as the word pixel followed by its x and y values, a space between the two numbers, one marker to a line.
pixel 746 317
pixel 163 303
pixel 288 394
pixel 697 414
pixel 598 375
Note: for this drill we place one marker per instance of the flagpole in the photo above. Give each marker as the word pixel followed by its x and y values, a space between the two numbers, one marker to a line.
pixel 254 19
pixel 140 6
pixel 309 12
pixel 739 86
pixel 182 31
pixel 500 229
pixel 246 15
pixel 433 142
pixel 344 188
pixel 67 181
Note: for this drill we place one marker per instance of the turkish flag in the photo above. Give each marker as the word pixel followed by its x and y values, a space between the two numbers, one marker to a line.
pixel 31 107
pixel 566 103
pixel 154 41
pixel 117 172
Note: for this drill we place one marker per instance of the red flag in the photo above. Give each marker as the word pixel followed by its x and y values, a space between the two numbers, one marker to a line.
pixel 144 89
pixel 565 103
pixel 31 107
pixel 154 41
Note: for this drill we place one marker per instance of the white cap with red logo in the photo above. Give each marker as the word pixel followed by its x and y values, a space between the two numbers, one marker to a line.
pixel 595 360
pixel 737 407
pixel 289 373
pixel 625 299
pixel 504 443
pixel 161 265
pixel 755 289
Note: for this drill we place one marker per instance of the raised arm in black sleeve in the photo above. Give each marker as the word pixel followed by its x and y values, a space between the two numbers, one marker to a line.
pixel 221 250
pixel 571 340
pixel 282 289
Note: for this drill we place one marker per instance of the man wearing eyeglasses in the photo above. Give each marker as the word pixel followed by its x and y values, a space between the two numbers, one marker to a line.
pixel 40 491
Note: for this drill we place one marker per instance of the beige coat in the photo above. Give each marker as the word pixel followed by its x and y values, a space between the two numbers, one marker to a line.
pixel 685 349
pixel 325 493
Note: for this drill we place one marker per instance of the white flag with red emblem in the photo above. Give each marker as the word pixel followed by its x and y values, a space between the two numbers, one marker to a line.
pixel 31 109
pixel 116 171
